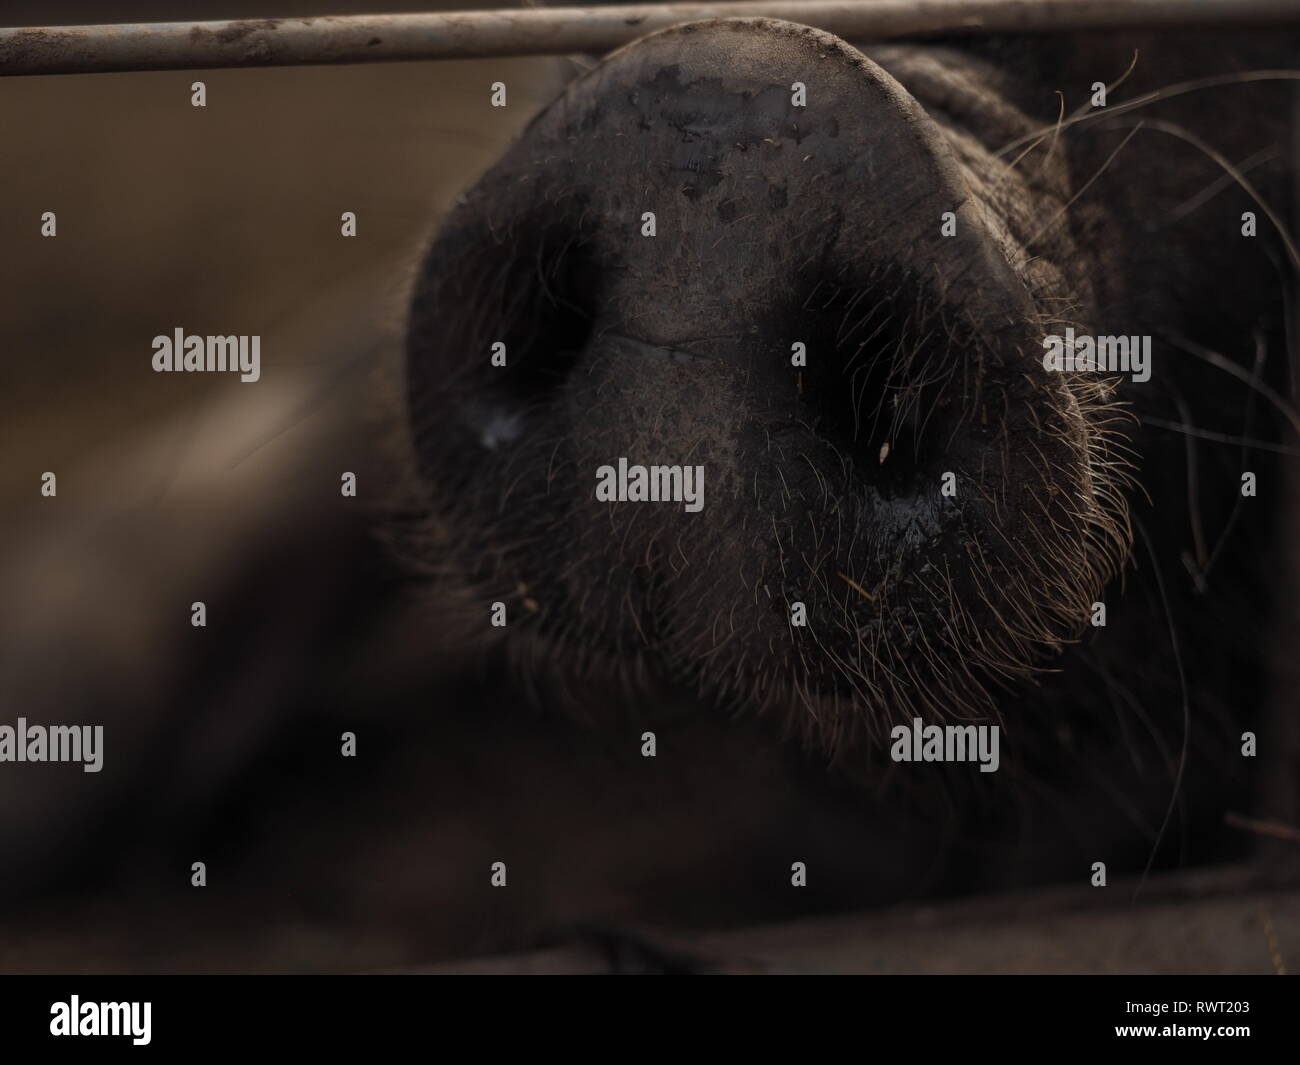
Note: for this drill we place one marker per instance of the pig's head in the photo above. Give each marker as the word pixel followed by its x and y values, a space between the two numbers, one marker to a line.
pixel 838 310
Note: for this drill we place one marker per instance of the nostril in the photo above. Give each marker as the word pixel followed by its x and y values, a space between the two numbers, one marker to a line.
pixel 885 381
pixel 550 325
pixel 500 317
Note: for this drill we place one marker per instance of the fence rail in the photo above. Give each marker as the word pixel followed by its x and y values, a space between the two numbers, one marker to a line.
pixel 559 30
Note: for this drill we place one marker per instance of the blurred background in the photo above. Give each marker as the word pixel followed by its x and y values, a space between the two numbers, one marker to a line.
pixel 222 219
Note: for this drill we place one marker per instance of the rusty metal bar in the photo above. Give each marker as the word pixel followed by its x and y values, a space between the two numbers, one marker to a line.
pixel 558 30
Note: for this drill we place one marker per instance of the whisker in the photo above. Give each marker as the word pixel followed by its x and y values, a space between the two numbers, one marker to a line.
pixel 1194 203
pixel 1228 366
pixel 1082 189
pixel 1187 136
pixel 1055 130
pixel 1193 490
pixel 1187 710
pixel 1169 91
pixel 1220 438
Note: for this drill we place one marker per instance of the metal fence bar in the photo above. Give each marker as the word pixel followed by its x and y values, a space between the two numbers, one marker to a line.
pixel 558 30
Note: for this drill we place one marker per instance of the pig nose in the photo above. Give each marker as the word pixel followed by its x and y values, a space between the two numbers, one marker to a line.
pixel 741 244
pixel 733 190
